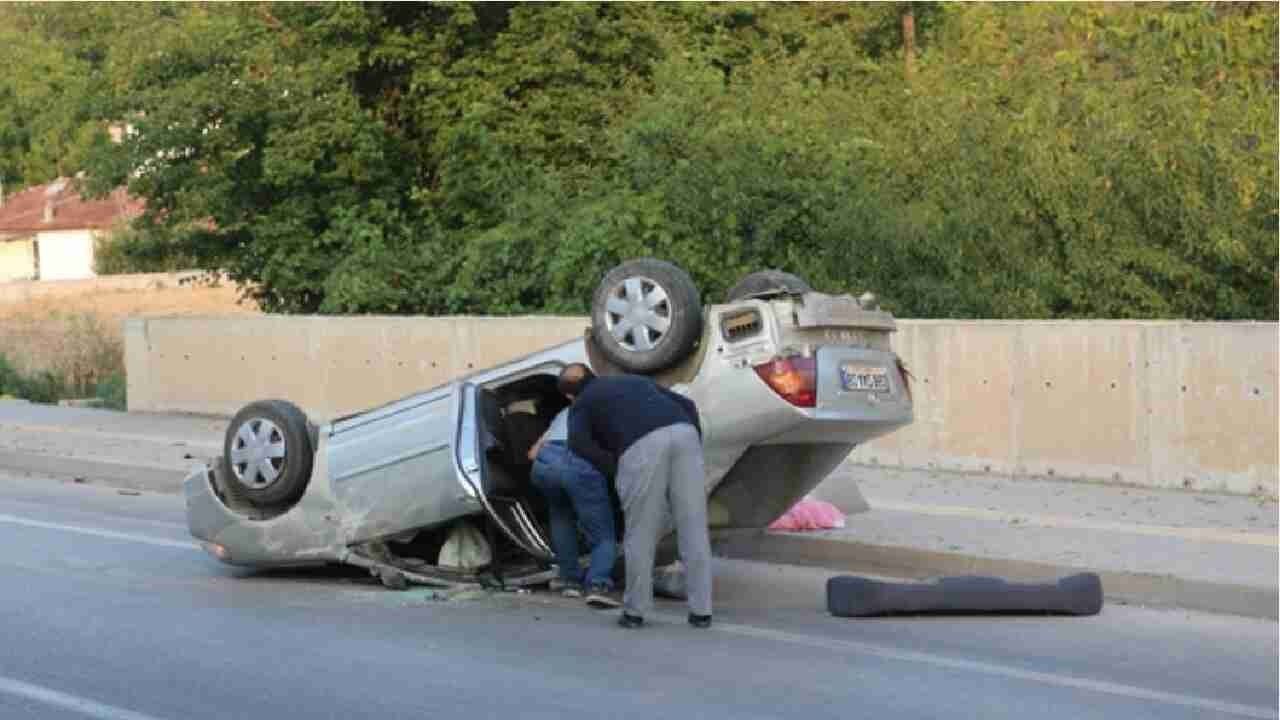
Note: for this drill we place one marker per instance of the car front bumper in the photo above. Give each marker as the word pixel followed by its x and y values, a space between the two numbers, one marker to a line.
pixel 288 539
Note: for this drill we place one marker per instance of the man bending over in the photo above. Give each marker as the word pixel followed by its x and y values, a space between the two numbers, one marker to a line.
pixel 649 440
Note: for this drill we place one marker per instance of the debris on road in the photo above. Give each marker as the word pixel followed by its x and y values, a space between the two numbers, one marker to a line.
pixel 810 514
pixel 669 581
pixel 854 596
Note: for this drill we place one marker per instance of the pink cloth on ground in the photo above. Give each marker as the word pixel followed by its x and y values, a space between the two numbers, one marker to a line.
pixel 810 514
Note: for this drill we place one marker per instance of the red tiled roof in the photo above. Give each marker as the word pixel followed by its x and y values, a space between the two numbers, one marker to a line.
pixel 24 212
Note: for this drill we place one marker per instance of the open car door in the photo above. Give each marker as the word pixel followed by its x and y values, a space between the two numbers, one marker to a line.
pixel 485 468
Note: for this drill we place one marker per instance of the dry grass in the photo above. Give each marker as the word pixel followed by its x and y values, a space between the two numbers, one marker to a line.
pixel 80 338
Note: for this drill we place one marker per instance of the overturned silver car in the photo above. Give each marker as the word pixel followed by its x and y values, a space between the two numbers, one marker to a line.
pixel 434 488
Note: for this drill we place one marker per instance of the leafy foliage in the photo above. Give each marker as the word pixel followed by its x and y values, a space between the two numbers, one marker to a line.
pixel 127 249
pixel 1038 160
pixel 42 387
pixel 112 392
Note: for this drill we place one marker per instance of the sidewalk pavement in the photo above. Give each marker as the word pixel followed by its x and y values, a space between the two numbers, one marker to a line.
pixel 141 451
pixel 1200 551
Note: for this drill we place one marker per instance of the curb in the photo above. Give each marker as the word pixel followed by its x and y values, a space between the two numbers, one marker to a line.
pixel 911 563
pixel 130 476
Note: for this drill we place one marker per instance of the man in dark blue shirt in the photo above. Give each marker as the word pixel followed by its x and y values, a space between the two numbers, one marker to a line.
pixel 649 440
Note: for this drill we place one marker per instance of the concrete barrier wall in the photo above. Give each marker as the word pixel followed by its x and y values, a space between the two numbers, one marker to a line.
pixel 18 291
pixel 1157 404
pixel 330 366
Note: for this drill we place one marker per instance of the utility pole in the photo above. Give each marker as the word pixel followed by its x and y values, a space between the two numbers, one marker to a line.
pixel 908 39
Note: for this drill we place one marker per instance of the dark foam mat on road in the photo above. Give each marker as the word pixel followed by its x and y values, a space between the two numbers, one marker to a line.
pixel 854 596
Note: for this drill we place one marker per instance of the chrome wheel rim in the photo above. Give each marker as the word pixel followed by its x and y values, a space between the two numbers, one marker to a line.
pixel 637 314
pixel 258 453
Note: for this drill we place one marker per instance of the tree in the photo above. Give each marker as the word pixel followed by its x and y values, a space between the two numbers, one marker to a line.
pixel 46 110
pixel 1045 160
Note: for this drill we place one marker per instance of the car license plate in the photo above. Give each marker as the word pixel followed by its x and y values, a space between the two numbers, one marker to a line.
pixel 863 377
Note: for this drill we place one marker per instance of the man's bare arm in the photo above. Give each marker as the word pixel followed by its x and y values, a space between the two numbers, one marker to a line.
pixel 533 451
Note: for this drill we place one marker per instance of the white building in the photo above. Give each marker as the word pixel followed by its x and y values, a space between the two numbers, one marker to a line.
pixel 48 232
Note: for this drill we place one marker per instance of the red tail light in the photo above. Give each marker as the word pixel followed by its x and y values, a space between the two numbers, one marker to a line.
pixel 795 378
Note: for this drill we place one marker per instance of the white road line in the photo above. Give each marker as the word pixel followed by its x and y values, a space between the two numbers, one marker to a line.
pixel 41 506
pixel 111 534
pixel 84 706
pixel 985 668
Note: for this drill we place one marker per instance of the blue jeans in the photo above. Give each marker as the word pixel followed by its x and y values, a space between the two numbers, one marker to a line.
pixel 573 487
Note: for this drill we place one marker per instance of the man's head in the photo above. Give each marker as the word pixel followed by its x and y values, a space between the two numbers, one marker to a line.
pixel 573 379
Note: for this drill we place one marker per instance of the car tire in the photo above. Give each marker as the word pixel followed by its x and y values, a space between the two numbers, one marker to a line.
pixel 268 451
pixel 767 281
pixel 646 315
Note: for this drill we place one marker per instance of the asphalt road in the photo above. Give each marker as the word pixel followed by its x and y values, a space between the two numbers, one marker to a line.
pixel 110 611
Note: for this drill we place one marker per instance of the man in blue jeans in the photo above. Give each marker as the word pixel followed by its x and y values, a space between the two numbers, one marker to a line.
pixel 577 494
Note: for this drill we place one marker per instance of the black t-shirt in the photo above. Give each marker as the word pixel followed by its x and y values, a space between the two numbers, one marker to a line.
pixel 615 411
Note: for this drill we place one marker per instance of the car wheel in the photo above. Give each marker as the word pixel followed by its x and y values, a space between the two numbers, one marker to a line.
pixel 268 452
pixel 646 315
pixel 765 282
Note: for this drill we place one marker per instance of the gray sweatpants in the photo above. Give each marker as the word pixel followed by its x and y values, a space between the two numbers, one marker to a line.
pixel 663 471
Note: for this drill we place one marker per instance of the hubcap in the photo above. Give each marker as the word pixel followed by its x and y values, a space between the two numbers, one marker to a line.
pixel 257 454
pixel 638 314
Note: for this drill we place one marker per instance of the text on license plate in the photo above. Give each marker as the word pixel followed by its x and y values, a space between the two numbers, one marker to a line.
pixel 863 377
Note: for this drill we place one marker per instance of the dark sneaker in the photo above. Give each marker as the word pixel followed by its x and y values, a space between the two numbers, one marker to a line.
pixel 602 598
pixel 700 621
pixel 630 621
